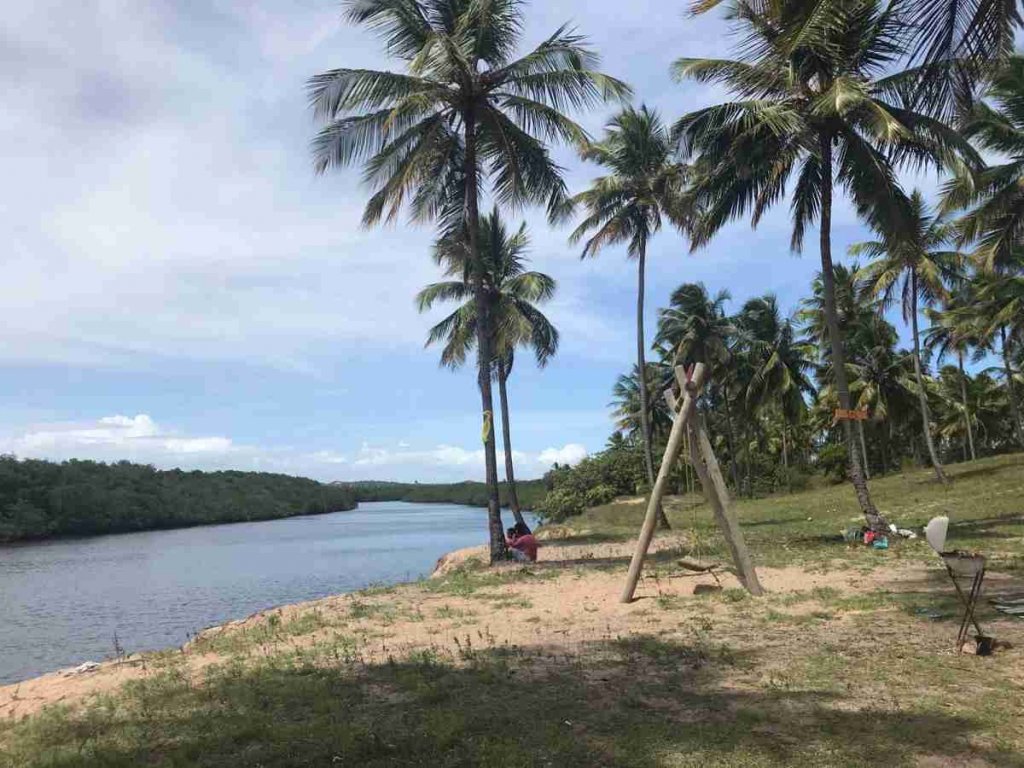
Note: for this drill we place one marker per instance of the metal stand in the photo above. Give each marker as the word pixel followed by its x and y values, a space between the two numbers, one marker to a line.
pixel 959 565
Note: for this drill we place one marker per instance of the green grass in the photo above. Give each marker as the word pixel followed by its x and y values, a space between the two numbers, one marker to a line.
pixel 983 502
pixel 635 702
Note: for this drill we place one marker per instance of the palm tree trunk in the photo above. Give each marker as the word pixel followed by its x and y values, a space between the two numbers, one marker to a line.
pixel 733 469
pixel 506 438
pixel 885 447
pixel 641 364
pixel 1014 409
pixel 875 519
pixel 472 214
pixel 967 407
pixel 864 449
pixel 746 457
pixel 785 457
pixel 922 396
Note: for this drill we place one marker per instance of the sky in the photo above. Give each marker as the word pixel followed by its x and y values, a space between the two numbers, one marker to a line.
pixel 180 288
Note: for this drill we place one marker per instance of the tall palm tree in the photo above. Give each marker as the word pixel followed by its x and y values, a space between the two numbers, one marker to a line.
pixel 821 105
pixel 697 330
pixel 512 295
pixel 464 112
pixel 947 332
pixel 913 258
pixel 643 187
pixel 780 368
pixel 855 313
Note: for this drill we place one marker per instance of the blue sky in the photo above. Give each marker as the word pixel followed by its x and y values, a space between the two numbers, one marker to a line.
pixel 179 288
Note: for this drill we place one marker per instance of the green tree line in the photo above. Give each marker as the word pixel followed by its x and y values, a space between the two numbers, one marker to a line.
pixel 530 493
pixel 40 499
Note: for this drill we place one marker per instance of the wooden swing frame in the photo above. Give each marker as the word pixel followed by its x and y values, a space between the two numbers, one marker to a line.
pixel 702 458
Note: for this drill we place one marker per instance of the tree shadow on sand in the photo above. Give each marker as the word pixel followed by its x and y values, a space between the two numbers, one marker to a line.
pixel 640 702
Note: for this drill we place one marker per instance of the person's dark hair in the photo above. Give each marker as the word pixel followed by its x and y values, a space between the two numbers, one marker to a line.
pixel 512 532
pixel 522 529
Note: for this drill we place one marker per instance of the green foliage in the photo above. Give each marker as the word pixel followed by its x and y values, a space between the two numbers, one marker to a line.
pixel 833 461
pixel 468 493
pixel 594 481
pixel 79 498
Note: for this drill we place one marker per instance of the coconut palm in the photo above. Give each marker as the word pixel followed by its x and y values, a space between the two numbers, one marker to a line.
pixel 880 381
pixel 512 295
pixel 952 44
pixel 913 258
pixel 464 114
pixel 995 194
pixel 998 308
pixel 816 109
pixel 947 332
pixel 643 188
pixel 696 329
pixel 779 379
pixel 628 403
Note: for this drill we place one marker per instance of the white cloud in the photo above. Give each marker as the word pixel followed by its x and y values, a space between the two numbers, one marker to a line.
pixel 124 436
pixel 571 453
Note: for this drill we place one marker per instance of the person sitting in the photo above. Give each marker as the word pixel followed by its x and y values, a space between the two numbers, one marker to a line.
pixel 521 543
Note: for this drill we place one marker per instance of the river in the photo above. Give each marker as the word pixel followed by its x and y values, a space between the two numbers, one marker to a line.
pixel 63 602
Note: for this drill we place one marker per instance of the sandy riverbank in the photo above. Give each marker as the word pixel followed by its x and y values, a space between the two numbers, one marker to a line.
pixel 568 599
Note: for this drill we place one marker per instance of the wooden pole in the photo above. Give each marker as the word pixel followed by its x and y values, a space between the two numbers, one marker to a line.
pixel 710 474
pixel 675 441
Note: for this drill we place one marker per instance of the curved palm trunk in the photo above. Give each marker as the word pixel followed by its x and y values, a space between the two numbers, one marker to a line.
pixel 472 213
pixel 1014 409
pixel 922 396
pixel 875 519
pixel 864 449
pixel 641 363
pixel 967 408
pixel 506 438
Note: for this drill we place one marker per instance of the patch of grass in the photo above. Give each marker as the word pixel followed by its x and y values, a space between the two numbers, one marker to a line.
pixel 267 633
pixel 636 702
pixel 467 582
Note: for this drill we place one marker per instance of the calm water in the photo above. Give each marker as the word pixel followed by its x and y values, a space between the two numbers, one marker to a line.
pixel 62 601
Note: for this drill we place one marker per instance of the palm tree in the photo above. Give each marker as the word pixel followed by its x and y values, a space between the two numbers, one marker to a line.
pixel 643 187
pixel 628 403
pixel 779 377
pixel 995 194
pixel 952 44
pixel 947 332
pixel 855 313
pixel 880 380
pixel 696 329
pixel 464 112
pixel 998 308
pixel 820 105
pixel 512 295
pixel 914 259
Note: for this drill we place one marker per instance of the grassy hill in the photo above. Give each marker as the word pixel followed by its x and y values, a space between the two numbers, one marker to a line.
pixel 984 501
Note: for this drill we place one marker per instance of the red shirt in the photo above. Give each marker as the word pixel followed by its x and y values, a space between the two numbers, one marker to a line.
pixel 525 544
